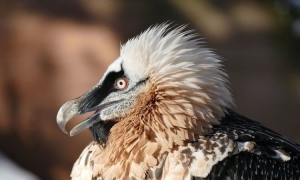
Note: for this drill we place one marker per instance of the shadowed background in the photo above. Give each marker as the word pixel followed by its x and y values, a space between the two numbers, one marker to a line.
pixel 54 51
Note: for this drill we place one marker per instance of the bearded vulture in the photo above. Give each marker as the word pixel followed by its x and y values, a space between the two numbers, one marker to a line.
pixel 162 111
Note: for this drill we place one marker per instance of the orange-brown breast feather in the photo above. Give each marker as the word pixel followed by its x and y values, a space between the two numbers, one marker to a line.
pixel 158 124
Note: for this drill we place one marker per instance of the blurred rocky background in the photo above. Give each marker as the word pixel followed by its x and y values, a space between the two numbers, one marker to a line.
pixel 53 51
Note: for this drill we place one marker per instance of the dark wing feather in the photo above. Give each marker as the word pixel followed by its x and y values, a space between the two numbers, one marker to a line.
pixel 240 128
pixel 248 165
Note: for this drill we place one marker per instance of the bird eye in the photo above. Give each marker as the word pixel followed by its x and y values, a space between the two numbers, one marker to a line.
pixel 121 83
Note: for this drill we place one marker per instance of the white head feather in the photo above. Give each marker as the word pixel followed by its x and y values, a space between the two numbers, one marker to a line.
pixel 176 60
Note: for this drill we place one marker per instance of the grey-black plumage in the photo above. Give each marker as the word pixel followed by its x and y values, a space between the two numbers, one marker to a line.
pixel 262 163
pixel 100 131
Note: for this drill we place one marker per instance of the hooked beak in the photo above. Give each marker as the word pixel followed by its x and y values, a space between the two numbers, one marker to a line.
pixel 65 113
pixel 89 101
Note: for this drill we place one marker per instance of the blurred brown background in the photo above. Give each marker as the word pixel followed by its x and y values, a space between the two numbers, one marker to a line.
pixel 54 51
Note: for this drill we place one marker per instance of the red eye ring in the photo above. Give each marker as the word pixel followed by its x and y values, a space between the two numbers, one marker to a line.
pixel 121 83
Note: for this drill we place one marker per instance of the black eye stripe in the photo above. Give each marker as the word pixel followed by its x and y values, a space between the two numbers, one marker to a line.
pixel 98 93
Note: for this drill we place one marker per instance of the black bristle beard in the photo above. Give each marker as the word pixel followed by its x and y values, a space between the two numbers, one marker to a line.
pixel 101 131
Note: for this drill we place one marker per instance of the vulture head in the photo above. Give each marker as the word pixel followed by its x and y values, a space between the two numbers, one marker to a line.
pixel 165 85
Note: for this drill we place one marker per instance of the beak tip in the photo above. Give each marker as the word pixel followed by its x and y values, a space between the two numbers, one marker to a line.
pixel 62 128
pixel 65 113
pixel 65 131
pixel 60 121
